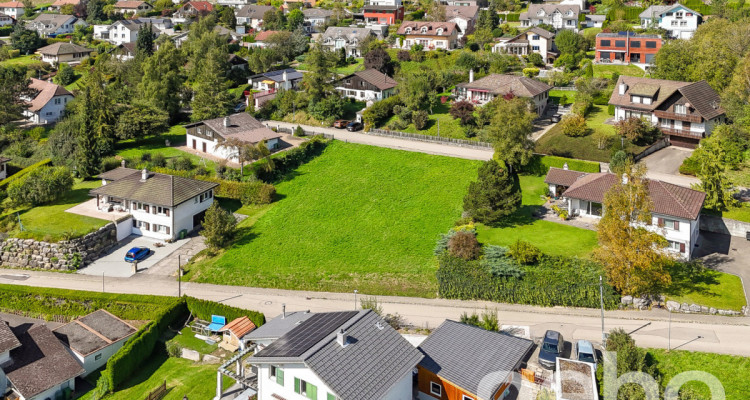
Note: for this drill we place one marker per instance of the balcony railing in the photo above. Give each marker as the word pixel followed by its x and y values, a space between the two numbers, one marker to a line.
pixel 679 117
pixel 681 132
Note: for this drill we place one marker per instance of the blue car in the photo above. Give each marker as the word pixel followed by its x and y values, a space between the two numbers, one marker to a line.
pixel 137 254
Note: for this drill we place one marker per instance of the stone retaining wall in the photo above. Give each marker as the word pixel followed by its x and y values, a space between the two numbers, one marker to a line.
pixel 65 255
pixel 639 303
pixel 725 226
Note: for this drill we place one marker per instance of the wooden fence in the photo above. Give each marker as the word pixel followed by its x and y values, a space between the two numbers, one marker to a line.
pixel 158 393
pixel 429 138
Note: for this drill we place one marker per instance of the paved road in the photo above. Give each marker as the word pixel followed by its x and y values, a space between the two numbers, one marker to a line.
pixel 721 334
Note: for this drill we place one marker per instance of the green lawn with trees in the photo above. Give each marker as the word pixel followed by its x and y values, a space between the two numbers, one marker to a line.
pixel 607 70
pixel 348 220
pixel 711 289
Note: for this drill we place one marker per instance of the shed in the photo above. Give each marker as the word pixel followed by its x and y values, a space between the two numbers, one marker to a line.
pixel 235 333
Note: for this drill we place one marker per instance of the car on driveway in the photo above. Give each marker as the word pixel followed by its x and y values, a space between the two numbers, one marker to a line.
pixel 341 123
pixel 354 126
pixel 552 347
pixel 585 352
pixel 137 254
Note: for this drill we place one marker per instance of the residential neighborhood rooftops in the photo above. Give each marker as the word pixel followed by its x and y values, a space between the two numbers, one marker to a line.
pixel 473 358
pixel 427 28
pixel 46 91
pixel 93 332
pixel 12 4
pixel 264 35
pixel 41 362
pixel 347 32
pixel 700 95
pixel 200 5
pixel 279 326
pixel 278 76
pixel 60 3
pixel 464 12
pixel 316 13
pixel 375 78
pixel 63 48
pixel 549 9
pixel 658 10
pixel 8 341
pixel 252 11
pixel 239 326
pixel 241 126
pixel 541 32
pixel 159 189
pixel 562 177
pixel 502 84
pixel 128 4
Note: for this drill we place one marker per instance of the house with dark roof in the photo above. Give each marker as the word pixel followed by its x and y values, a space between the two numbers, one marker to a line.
pixel 686 112
pixel 37 366
pixel 6 20
pixel 251 15
pixel 367 85
pixel 348 38
pixel 534 40
pixel 465 18
pixel 207 136
pixel 52 25
pixel 349 355
pixel 675 209
pixel 560 16
pixel 269 332
pixel 486 89
pixel 63 52
pixel 49 101
pixel 429 35
pixel 464 362
pixel 124 31
pixel 159 206
pixel 679 21
pixel 94 338
pixel 315 18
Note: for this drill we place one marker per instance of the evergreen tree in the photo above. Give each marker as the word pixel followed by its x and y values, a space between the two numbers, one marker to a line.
pixel 65 75
pixel 162 79
pixel 219 227
pixel 509 131
pixel 145 42
pixel 318 81
pixel 495 194
pixel 14 87
pixel 25 40
pixel 212 98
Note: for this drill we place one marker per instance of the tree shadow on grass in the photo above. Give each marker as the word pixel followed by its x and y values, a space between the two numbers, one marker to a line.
pixel 691 277
pixel 526 215
pixel 245 235
pixel 148 368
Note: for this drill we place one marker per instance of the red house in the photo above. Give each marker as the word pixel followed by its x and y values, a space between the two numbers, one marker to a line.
pixel 385 12
pixel 627 47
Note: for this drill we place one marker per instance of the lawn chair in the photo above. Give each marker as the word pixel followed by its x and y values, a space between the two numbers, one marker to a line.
pixel 217 322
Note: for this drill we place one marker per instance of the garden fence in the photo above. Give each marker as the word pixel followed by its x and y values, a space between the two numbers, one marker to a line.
pixel 307 132
pixel 429 138
pixel 565 88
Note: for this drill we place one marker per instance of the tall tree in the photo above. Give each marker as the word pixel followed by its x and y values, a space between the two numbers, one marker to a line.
pixel 416 88
pixel 95 11
pixel 219 227
pixel 631 254
pixel 713 156
pixel 97 117
pixel 142 119
pixel 318 82
pixel 379 59
pixel 495 194
pixel 212 98
pixel 274 20
pixel 25 40
pixel 510 130
pixel 162 79
pixel 14 87
pixel 294 19
pixel 436 12
pixel 145 42
pixel 569 42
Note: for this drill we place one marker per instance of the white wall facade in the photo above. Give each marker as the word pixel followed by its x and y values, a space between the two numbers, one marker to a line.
pixel 681 24
pixel 52 392
pixel 364 95
pixel 14 12
pixel 51 112
pixel 212 147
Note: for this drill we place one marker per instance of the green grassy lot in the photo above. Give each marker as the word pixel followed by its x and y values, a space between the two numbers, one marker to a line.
pixel 345 70
pixel 21 60
pixel 349 220
pixel 740 213
pixel 156 144
pixel 552 238
pixel 708 288
pixel 731 371
pixel 51 222
pixel 605 71
pixel 188 340
pixel 556 96
pixel 448 127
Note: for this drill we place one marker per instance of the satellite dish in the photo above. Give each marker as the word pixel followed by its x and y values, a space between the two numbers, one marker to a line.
pixel 3 383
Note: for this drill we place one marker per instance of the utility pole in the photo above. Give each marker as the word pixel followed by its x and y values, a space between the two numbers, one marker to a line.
pixel 179 276
pixel 669 331
pixel 355 298
pixel 601 301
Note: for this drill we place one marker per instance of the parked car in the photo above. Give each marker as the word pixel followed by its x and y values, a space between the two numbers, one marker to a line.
pixel 552 347
pixel 341 123
pixel 585 352
pixel 137 254
pixel 354 126
pixel 240 107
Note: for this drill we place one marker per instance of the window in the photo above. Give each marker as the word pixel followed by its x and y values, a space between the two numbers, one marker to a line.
pixel 635 99
pixel 98 357
pixel 619 43
pixel 650 44
pixel 161 210
pixel 465 397
pixel 436 389
pixel 535 48
pixel 605 43
pixel 424 29
pixel 635 44
pixel 306 389
pixel 596 209
pixel 646 100
pixel 277 374
pixel 535 37
pixel 680 109
pixel 569 22
pixel 669 223
pixel 673 23
pixel 57 101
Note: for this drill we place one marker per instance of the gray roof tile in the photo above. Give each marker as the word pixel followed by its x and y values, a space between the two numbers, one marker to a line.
pixel 8 341
pixel 159 189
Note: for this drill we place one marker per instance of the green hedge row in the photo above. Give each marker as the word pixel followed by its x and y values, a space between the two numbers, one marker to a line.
pixel 204 309
pixel 4 183
pixel 289 160
pixel 540 164
pixel 6 30
pixel 554 281
pixel 378 113
pixel 513 17
pixel 226 189
pixel 625 13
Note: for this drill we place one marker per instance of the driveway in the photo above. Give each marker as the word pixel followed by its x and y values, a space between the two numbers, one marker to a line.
pixel 726 253
pixel 113 264
pixel 665 164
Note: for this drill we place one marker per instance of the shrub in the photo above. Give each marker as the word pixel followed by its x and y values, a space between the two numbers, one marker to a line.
pixel 258 193
pixel 380 111
pixel 495 194
pixel 524 252
pixel 464 244
pixel 145 156
pixel 690 166
pixel 530 72
pixel 291 159
pixel 110 163
pixel 299 131
pixel 158 160
pixel 498 263
pixel 574 125
pixel 463 111
pixel 219 227
pixel 403 55
pixel 611 109
pixel 419 119
pixel 174 349
pixel 182 163
pixel 41 186
pixel 536 60
pixel 638 131
pixel 581 106
pixel 65 75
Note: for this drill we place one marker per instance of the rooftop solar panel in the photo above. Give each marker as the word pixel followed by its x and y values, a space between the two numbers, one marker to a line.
pixel 300 339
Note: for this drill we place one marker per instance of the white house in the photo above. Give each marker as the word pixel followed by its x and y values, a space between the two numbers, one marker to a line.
pixel 486 89
pixel 160 206
pixel 465 18
pixel 686 112
pixel 367 85
pixel 429 35
pixel 51 25
pixel 348 38
pixel 36 365
pixel 337 355
pixel 560 16
pixel 534 40
pixel 3 175
pixel 251 15
pixel 234 3
pixel 283 79
pixel 12 9
pixel 6 20
pixel 48 105
pixel 62 52
pixel 123 31
pixel 675 214
pixel 315 18
pixel 132 7
pixel 679 21
pixel 94 338
pixel 207 136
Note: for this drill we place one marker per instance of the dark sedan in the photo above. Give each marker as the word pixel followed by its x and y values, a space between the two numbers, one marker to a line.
pixel 354 126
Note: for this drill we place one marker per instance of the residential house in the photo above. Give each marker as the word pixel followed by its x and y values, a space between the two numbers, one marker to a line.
pixel 234 3
pixel 268 83
pixel 6 20
pixel 315 18
pixel 464 362
pixel 679 21
pixel 627 47
pixel 3 175
pixel 461 3
pixel 337 355
pixel 237 62
pixel 192 10
pixel 594 20
pixel 560 16
pixel 534 40
pixel 162 24
pixel 336 37
pixel 59 4
pixel 63 52
pixel 94 338
pixel 289 5
pixel 486 89
pixel 686 112
pixel 367 85
pixel 261 38
pixel 276 328
pixel 125 51
pixel 48 105
pixel 132 7
pixel 13 9
pixel 430 35
pixel 675 212
pixel 383 12
pixel 207 136
pixel 160 206
pixel 465 18
pixel 123 31
pixel 235 333
pixel 36 365
pixel 251 15
pixel 231 35
pixel 51 25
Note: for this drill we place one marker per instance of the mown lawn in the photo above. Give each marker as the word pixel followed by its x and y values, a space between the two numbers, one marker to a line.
pixel 731 371
pixel 440 123
pixel 156 144
pixel 188 340
pixel 51 222
pixel 741 212
pixel 606 71
pixel 710 289
pixel 356 217
pixel 21 60
pixel 549 237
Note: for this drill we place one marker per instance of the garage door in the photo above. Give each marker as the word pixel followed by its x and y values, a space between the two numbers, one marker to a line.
pixel 683 142
pixel 198 219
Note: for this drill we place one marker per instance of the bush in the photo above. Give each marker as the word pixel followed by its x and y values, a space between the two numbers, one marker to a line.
pixel 204 309
pixel 464 244
pixel 498 263
pixel 291 159
pixel 574 125
pixel 690 166
pixel 536 60
pixel 174 349
pixel 638 131
pixel 419 119
pixel 146 156
pixel 380 111
pixel 611 109
pixel 158 160
pixel 258 193
pixel 403 55
pixel 582 106
pixel 463 111
pixel 530 72
pixel 182 163
pixel 513 17
pixel 41 186
pixel 109 163
pixel 219 227
pixel 524 252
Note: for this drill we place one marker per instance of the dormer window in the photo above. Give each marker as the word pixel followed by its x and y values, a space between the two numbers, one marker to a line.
pixel 570 13
pixel 424 29
pixel 408 31
pixel 439 31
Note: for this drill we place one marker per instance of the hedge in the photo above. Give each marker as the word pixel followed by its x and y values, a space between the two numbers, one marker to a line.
pixel 554 281
pixel 204 309
pixel 6 30
pixel 4 183
pixel 513 17
pixel 628 14
pixel 226 189
pixel 289 160
pixel 540 164
pixel 379 112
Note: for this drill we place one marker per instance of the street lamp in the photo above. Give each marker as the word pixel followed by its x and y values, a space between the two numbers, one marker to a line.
pixel 355 298
pixel 601 302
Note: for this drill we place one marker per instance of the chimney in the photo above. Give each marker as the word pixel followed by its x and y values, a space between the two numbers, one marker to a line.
pixel 471 75
pixel 226 121
pixel 283 311
pixel 284 76
pixel 122 163
pixel 342 338
pixel 623 88
pixel 565 166
pixel 144 175
pixel 104 181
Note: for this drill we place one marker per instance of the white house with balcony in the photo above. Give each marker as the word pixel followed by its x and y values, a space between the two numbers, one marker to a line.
pixel 686 112
pixel 679 21
pixel 368 85
pixel 534 40
pixel 206 137
pixel 159 205
pixel 49 102
pixel 675 214
pixel 429 35
pixel 560 16
pixel 347 38
pixel 486 89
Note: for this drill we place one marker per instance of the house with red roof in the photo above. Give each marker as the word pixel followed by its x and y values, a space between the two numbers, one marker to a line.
pixel 132 7
pixel 192 10
pixel 48 104
pixel 59 4
pixel 12 9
